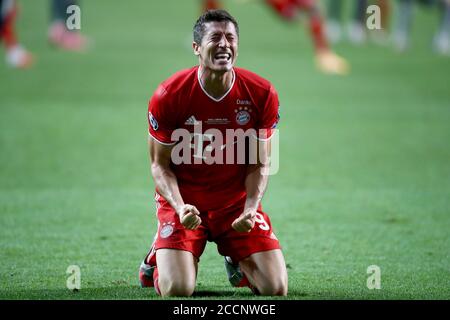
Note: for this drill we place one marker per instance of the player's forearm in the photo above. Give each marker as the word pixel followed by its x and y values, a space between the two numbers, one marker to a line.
pixel 167 185
pixel 255 185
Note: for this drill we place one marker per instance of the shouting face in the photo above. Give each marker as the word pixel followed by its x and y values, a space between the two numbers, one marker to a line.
pixel 219 46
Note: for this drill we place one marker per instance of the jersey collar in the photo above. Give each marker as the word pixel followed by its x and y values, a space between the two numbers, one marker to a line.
pixel 225 94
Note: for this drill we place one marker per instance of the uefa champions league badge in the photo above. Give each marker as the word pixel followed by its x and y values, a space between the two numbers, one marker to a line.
pixel 242 115
pixel 166 230
pixel 153 121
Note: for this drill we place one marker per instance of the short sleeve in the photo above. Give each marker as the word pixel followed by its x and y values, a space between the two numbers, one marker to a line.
pixel 269 116
pixel 161 121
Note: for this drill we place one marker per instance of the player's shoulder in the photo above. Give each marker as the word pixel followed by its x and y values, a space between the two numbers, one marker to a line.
pixel 253 80
pixel 176 84
pixel 180 78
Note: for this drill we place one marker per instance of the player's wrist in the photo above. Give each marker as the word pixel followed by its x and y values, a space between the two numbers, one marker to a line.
pixel 179 209
pixel 251 205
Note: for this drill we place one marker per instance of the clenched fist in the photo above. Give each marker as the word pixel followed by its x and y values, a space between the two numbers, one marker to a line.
pixel 189 216
pixel 245 222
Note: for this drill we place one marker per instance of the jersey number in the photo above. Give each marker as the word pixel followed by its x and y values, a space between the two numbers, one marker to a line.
pixel 262 223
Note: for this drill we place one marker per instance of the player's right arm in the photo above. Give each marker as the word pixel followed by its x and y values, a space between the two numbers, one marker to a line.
pixel 161 126
pixel 167 185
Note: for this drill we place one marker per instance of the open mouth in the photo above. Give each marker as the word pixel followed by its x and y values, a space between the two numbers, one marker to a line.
pixel 222 57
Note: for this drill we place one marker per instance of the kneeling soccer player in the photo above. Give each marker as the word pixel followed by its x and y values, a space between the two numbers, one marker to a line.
pixel 199 201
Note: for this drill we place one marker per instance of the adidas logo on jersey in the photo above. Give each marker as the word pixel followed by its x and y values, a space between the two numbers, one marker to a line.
pixel 191 121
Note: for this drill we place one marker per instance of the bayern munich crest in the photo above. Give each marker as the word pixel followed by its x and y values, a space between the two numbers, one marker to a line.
pixel 243 115
pixel 166 230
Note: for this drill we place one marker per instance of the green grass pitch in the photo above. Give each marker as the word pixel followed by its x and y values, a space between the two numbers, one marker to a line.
pixel 365 159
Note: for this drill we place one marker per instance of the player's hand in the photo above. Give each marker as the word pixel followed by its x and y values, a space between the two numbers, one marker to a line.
pixel 245 222
pixel 189 216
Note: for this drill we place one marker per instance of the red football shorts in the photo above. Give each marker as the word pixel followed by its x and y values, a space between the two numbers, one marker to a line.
pixel 216 227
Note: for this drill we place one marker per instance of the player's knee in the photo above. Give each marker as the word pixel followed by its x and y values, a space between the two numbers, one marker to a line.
pixel 273 287
pixel 274 290
pixel 174 288
pixel 177 292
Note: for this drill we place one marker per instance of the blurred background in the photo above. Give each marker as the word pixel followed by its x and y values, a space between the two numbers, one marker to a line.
pixel 364 176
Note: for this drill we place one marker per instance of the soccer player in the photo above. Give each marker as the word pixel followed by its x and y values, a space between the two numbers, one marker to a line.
pixel 198 201
pixel 356 30
pixel 326 60
pixel 16 55
pixel 441 42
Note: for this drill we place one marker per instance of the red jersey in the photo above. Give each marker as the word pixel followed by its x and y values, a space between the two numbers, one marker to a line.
pixel 181 102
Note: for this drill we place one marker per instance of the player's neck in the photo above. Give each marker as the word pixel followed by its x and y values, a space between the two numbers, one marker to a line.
pixel 216 84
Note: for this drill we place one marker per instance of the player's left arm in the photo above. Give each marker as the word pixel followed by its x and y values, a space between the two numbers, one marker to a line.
pixel 258 173
pixel 255 185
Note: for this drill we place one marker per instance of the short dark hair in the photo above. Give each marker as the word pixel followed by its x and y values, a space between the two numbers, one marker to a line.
pixel 209 16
